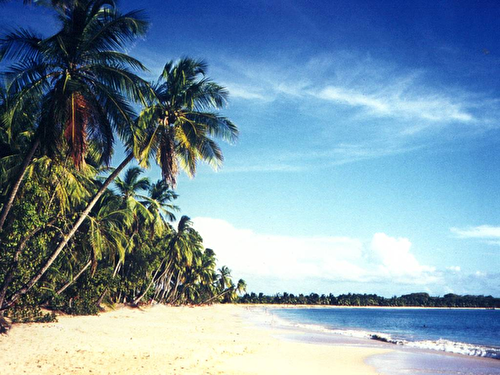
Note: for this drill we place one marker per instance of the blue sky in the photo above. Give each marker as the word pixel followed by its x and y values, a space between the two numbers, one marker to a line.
pixel 368 158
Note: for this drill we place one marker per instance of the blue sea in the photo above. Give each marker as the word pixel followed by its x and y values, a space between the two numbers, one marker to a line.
pixel 427 341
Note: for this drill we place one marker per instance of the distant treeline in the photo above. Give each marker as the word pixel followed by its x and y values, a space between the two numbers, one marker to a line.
pixel 413 299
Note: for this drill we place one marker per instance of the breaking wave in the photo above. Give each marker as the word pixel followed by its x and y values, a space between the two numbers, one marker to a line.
pixel 439 345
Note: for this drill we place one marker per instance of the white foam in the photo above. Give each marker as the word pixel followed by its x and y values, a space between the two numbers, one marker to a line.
pixel 456 347
pixel 439 345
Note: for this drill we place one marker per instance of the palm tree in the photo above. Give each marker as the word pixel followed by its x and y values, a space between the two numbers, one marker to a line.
pixel 181 123
pixel 178 127
pixel 15 140
pixel 103 233
pixel 179 249
pixel 223 285
pixel 158 204
pixel 241 287
pixel 224 278
pixel 132 184
pixel 105 229
pixel 80 80
pixel 83 83
pixel 129 189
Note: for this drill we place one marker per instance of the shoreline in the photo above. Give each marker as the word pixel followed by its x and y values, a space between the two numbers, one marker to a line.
pixel 400 359
pixel 296 306
pixel 215 339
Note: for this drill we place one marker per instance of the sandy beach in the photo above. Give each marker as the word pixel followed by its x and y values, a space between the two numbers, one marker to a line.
pixel 169 340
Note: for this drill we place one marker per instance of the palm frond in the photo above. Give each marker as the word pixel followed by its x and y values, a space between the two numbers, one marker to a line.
pixel 20 44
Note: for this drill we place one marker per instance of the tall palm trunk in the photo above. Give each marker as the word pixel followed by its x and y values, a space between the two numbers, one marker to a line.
pixel 24 167
pixel 67 237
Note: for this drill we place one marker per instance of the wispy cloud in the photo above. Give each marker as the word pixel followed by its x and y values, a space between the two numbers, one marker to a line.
pixel 360 83
pixel 391 103
pixel 363 108
pixel 483 232
pixel 299 161
pixel 245 92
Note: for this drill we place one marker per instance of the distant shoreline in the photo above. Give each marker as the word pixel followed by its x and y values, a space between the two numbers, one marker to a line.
pixel 298 306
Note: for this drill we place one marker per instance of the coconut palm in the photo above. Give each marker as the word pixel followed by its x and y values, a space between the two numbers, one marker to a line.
pixel 102 235
pixel 129 189
pixel 158 204
pixel 181 123
pixel 223 286
pixel 83 83
pixel 179 248
pixel 241 286
pixel 199 282
pixel 132 184
pixel 15 139
pixel 79 79
pixel 224 280
pixel 105 229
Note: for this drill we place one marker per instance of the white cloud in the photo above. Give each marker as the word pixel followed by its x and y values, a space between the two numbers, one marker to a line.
pixel 383 264
pixel 485 232
pixel 291 258
pixel 395 259
pixel 297 260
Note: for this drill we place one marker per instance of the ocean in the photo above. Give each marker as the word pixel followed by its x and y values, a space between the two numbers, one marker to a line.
pixel 428 341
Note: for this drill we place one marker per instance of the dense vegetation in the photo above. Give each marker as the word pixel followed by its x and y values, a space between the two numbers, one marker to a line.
pixel 413 299
pixel 74 232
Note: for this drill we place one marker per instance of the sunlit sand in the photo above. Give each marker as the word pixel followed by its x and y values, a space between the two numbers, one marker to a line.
pixel 169 340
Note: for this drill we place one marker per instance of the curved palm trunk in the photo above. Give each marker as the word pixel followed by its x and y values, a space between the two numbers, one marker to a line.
pixel 117 269
pixel 167 288
pixel 172 298
pixel 15 263
pixel 99 301
pixel 24 167
pixel 153 279
pixel 65 286
pixel 67 237
pixel 217 296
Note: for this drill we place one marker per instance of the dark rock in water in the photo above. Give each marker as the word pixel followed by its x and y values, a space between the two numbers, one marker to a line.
pixel 379 338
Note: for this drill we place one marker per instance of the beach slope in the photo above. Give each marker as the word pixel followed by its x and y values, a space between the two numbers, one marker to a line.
pixel 169 340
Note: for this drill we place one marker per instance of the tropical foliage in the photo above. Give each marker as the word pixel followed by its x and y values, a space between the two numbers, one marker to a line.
pixel 413 299
pixel 75 233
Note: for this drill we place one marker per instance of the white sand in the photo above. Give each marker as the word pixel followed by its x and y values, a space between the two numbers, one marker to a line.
pixel 169 340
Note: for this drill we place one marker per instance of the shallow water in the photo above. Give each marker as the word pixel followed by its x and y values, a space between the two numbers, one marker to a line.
pixel 354 327
pixel 403 362
pixel 470 332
